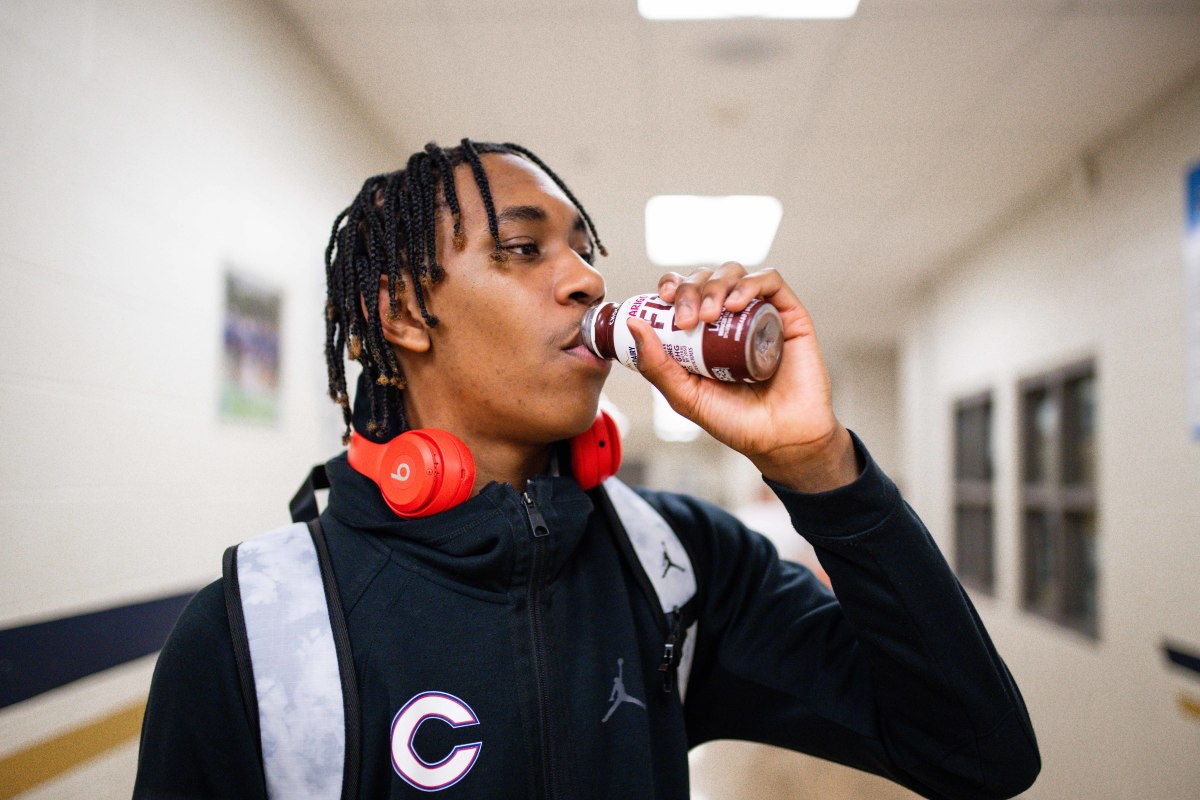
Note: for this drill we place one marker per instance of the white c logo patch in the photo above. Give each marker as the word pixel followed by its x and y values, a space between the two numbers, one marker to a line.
pixel 411 767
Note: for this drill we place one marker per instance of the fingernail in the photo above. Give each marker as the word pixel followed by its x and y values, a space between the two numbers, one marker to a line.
pixel 708 305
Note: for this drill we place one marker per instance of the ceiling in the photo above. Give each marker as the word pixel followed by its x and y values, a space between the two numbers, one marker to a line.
pixel 894 139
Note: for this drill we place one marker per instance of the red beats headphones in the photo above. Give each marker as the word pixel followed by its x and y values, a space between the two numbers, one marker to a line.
pixel 596 453
pixel 427 471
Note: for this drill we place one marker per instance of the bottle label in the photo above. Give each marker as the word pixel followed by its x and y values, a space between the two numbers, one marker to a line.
pixel 715 350
pixel 683 346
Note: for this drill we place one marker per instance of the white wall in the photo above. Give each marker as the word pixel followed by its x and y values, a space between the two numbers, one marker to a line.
pixel 865 398
pixel 146 145
pixel 1092 268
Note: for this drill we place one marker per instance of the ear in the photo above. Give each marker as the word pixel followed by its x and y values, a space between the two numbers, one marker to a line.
pixel 406 327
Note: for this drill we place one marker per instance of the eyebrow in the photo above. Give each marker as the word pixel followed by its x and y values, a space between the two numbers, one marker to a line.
pixel 521 214
pixel 531 214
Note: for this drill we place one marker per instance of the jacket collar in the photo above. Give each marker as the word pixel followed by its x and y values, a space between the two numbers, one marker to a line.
pixel 485 543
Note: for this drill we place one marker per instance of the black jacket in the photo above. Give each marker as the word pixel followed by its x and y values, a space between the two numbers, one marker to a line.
pixel 895 676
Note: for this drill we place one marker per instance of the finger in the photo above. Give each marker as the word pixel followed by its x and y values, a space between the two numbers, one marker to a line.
pixel 687 298
pixel 764 283
pixel 711 287
pixel 770 286
pixel 717 288
pixel 667 284
pixel 676 384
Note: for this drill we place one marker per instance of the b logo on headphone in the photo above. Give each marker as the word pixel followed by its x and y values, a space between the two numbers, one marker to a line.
pixel 419 472
pixel 427 471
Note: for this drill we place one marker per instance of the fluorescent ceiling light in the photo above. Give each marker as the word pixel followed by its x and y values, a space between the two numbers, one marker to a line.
pixel 688 230
pixel 669 425
pixel 762 9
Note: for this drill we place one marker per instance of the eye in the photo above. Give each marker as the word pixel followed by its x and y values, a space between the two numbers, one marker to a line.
pixel 588 255
pixel 522 249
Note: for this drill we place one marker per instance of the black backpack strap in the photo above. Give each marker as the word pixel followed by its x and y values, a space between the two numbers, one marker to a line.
pixel 304 503
pixel 241 644
pixel 345 659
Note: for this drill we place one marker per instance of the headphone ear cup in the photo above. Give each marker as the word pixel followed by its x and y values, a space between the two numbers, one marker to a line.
pixel 457 471
pixel 596 453
pixel 424 472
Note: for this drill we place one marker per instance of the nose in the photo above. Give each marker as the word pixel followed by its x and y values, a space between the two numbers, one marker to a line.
pixel 579 282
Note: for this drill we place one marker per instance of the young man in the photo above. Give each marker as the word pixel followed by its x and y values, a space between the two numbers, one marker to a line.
pixel 515 617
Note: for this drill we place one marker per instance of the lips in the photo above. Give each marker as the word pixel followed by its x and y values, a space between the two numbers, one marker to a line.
pixel 581 352
pixel 574 347
pixel 576 340
pixel 570 342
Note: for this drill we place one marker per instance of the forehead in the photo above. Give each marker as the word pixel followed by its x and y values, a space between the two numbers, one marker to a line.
pixel 512 180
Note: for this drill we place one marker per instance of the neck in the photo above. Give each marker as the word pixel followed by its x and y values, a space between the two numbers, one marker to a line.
pixel 506 462
pixel 496 459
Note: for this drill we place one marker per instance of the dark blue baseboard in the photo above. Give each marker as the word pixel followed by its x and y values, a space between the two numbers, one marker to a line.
pixel 40 657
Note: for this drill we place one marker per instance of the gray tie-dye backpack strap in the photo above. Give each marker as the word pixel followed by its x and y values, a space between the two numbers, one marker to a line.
pixel 662 565
pixel 294 662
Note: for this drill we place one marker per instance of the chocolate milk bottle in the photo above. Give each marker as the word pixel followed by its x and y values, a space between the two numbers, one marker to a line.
pixel 739 347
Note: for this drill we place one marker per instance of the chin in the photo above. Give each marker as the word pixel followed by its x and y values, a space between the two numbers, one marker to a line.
pixel 572 418
pixel 582 420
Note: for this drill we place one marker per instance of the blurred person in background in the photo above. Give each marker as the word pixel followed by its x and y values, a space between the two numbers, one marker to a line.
pixel 507 644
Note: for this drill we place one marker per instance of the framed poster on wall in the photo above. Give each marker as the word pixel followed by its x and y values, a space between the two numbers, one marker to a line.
pixel 250 350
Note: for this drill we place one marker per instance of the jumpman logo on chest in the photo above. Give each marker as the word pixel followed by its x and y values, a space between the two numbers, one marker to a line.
pixel 618 694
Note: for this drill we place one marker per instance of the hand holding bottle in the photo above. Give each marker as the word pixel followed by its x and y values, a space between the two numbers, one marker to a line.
pixel 786 425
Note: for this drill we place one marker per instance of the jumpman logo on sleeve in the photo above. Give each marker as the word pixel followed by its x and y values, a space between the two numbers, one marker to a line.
pixel 618 694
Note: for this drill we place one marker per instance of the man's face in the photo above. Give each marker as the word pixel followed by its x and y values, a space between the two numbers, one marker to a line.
pixel 506 361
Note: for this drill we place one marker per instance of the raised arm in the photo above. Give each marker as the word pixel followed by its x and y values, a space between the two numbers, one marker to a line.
pixel 896 675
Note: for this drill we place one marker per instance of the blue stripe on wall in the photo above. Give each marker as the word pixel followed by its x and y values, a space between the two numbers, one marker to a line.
pixel 1184 659
pixel 40 657
pixel 1193 198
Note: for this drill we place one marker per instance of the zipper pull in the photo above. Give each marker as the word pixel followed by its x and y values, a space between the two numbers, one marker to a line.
pixel 671 650
pixel 536 522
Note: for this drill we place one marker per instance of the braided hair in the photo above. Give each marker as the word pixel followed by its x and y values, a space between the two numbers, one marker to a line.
pixel 390 231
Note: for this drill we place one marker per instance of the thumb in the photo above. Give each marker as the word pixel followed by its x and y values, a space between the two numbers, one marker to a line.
pixel 676 384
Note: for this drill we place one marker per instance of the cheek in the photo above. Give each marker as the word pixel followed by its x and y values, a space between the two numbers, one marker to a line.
pixel 493 351
pixel 483 319
pixel 495 334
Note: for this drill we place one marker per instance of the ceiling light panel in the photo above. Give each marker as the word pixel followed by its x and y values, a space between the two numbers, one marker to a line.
pixel 690 230
pixel 759 9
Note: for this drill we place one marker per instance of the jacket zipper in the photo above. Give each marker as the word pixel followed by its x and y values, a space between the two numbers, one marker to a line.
pixel 537 525
pixel 672 648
